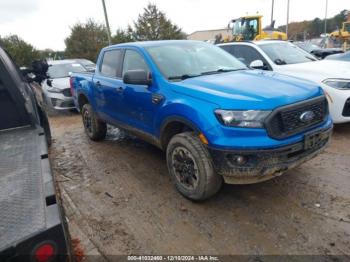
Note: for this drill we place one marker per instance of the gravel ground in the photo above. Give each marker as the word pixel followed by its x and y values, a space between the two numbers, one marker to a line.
pixel 119 199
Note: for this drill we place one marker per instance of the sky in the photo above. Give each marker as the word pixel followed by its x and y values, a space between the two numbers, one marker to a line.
pixel 46 23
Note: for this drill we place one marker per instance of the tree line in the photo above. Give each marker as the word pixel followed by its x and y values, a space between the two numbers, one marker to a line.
pixel 86 39
pixel 23 53
pixel 314 28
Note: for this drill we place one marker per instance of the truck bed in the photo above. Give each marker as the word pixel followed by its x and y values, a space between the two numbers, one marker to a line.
pixel 27 198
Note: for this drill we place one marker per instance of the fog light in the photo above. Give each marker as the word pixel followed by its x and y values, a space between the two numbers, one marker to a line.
pixel 240 160
pixel 237 159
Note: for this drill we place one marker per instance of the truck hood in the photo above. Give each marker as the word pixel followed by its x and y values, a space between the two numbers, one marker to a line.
pixel 317 71
pixel 248 89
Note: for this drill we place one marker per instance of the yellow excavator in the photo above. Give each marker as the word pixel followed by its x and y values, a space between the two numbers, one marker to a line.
pixel 343 35
pixel 249 28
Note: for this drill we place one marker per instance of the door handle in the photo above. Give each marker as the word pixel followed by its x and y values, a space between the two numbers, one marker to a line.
pixel 119 89
pixel 157 98
pixel 98 84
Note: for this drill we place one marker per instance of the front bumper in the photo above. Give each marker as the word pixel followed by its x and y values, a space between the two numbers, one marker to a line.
pixel 261 165
pixel 59 101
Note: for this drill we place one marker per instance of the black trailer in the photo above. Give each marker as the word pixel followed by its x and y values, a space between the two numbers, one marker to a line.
pixel 32 224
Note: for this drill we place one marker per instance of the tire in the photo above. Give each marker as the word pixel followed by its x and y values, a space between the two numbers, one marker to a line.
pixel 191 167
pixel 94 128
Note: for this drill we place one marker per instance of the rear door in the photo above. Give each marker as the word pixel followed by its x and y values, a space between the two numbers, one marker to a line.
pixel 108 85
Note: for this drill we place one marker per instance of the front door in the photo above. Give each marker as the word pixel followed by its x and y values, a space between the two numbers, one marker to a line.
pixel 138 109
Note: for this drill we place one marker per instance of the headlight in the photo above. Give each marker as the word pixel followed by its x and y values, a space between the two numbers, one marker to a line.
pixel 52 89
pixel 250 118
pixel 342 84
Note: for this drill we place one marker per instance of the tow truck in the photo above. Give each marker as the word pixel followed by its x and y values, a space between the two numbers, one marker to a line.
pixel 32 223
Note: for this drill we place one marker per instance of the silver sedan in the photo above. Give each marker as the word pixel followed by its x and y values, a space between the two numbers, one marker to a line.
pixel 56 89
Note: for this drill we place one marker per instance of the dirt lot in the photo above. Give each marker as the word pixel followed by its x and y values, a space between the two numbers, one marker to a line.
pixel 119 200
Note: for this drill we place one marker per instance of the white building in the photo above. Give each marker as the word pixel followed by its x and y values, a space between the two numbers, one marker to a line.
pixel 209 35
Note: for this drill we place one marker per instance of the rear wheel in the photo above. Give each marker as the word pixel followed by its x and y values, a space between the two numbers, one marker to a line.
pixel 94 128
pixel 191 167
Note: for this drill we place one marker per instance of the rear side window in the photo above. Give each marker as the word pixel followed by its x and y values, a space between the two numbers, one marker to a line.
pixel 134 61
pixel 111 63
pixel 245 54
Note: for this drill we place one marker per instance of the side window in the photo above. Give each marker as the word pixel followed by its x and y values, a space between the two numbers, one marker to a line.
pixel 247 54
pixel 134 61
pixel 111 63
pixel 228 48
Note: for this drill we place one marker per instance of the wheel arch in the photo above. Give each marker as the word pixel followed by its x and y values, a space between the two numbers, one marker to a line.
pixel 174 125
pixel 82 100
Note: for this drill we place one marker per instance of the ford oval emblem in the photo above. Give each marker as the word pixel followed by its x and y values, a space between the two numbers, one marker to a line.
pixel 307 116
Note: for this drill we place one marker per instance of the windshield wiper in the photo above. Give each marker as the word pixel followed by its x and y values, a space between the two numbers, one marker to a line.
pixel 221 70
pixel 311 58
pixel 182 77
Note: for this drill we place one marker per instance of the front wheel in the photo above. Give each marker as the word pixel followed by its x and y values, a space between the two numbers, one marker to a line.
pixel 94 128
pixel 191 168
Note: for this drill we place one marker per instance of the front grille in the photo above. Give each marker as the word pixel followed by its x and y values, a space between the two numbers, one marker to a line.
pixel 346 110
pixel 287 121
pixel 66 92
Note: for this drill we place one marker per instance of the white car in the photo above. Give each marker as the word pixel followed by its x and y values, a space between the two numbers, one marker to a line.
pixel 56 88
pixel 286 58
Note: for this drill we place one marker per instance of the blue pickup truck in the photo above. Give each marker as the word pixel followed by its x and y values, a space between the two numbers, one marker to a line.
pixel 216 119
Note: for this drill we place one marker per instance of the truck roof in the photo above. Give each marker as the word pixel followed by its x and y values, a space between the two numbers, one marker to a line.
pixel 266 42
pixel 153 43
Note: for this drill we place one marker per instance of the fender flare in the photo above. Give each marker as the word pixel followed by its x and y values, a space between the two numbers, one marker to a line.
pixel 179 119
pixel 79 94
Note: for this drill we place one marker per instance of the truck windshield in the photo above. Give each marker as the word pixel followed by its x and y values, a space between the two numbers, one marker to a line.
pixel 181 60
pixel 63 70
pixel 247 28
pixel 284 53
pixel 347 26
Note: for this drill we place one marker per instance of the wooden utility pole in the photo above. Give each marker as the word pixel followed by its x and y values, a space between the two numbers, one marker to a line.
pixel 325 18
pixel 273 5
pixel 287 18
pixel 107 23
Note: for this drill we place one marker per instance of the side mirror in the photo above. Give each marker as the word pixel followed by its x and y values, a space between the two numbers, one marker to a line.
pixel 137 77
pixel 257 64
pixel 49 82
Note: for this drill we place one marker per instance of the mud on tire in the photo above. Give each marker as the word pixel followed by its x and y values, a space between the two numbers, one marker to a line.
pixel 94 128
pixel 191 168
